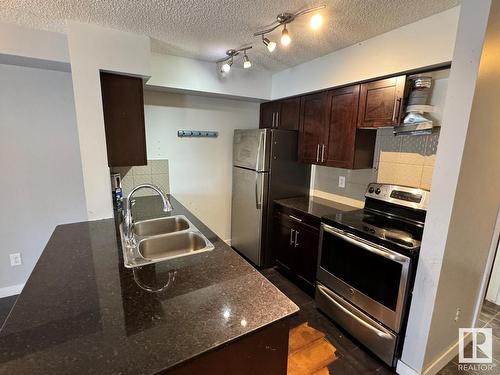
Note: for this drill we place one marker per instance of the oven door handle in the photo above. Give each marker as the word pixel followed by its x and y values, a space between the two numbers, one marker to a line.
pixel 380 333
pixel 357 241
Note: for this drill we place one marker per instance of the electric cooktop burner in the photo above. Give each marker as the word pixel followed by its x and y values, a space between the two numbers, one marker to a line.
pixel 378 227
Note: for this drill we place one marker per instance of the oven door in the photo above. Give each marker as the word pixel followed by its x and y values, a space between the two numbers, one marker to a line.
pixel 372 277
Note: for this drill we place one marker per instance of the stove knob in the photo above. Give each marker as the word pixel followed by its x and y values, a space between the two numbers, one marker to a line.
pixel 371 190
pixel 377 191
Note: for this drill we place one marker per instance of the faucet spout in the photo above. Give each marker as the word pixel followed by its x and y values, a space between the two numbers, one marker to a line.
pixel 129 220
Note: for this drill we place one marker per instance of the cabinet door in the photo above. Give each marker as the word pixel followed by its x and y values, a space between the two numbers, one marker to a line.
pixel 289 114
pixel 306 242
pixel 312 127
pixel 381 102
pixel 268 114
pixel 283 242
pixel 343 108
pixel 123 109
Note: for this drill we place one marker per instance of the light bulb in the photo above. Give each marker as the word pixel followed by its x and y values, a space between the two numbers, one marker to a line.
pixel 316 21
pixel 271 46
pixel 285 38
pixel 226 67
pixel 246 63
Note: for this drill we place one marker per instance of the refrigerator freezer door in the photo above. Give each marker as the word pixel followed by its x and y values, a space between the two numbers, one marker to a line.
pixel 250 147
pixel 248 207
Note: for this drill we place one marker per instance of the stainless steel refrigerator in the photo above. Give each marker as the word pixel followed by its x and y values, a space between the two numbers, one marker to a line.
pixel 265 168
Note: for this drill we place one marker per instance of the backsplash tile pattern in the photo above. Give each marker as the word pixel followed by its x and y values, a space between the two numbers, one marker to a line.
pixel 155 172
pixel 402 160
pixel 405 160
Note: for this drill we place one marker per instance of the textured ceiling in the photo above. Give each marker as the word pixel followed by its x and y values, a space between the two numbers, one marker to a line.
pixel 204 29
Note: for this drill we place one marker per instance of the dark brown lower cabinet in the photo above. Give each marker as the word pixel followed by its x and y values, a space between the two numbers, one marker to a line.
pixel 262 352
pixel 296 244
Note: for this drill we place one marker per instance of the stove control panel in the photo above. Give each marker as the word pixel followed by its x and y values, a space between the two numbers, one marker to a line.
pixel 401 195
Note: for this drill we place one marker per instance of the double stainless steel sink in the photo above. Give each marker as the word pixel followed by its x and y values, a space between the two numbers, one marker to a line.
pixel 162 239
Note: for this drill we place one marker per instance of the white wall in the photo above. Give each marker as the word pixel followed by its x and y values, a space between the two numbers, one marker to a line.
pixel 459 216
pixel 92 49
pixel 42 183
pixel 182 73
pixel 30 43
pixel 423 43
pixel 200 168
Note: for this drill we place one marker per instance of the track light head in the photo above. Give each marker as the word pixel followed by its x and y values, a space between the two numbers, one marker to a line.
pixel 226 66
pixel 271 46
pixel 246 62
pixel 316 21
pixel 285 38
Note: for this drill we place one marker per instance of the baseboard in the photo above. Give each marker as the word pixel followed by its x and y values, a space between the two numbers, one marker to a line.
pixel 446 357
pixel 228 242
pixel 11 290
pixel 403 369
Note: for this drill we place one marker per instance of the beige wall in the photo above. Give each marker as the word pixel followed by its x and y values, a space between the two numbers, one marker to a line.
pixel 476 205
pixel 154 172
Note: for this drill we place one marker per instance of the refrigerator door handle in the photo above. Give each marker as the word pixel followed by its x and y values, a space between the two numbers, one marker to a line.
pixel 258 195
pixel 259 149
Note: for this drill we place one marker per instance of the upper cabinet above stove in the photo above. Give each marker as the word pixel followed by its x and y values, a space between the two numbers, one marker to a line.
pixel 381 103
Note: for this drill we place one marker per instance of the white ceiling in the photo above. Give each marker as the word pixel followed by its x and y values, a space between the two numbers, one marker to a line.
pixel 204 29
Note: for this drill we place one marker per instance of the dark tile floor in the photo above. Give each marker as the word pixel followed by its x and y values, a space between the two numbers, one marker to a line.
pixel 5 307
pixel 353 359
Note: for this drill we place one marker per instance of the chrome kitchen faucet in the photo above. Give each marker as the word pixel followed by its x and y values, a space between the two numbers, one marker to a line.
pixel 129 220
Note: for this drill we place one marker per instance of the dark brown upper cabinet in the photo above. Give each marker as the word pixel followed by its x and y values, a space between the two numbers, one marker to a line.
pixel 313 128
pixel 281 114
pixel 268 113
pixel 381 102
pixel 347 146
pixel 123 107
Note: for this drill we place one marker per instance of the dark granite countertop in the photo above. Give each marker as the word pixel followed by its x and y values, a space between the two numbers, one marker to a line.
pixel 82 311
pixel 314 206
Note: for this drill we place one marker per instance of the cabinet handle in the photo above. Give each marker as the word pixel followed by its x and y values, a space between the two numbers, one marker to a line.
pixel 397 104
pixel 322 152
pixel 277 119
pixel 272 125
pixel 291 237
pixel 398 112
pixel 296 238
pixel 317 154
pixel 295 218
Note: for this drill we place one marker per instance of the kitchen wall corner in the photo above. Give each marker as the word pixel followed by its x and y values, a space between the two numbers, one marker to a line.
pixel 155 172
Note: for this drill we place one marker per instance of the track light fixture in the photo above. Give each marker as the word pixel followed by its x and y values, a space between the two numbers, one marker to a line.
pixel 286 18
pixel 226 63
pixel 271 46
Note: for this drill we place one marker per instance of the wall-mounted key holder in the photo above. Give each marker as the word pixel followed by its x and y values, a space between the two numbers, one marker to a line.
pixel 197 133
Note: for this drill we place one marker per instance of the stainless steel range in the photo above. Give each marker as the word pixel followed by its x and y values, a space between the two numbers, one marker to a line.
pixel 367 265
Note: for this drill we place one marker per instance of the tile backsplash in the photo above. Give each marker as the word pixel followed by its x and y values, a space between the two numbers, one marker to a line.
pixel 155 172
pixel 402 160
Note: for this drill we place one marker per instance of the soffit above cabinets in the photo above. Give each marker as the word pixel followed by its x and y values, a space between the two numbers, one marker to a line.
pixel 205 29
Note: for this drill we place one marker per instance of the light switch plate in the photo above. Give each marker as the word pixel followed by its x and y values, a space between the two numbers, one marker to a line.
pixel 15 259
pixel 341 181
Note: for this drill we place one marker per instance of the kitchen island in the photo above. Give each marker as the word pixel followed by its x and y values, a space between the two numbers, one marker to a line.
pixel 83 312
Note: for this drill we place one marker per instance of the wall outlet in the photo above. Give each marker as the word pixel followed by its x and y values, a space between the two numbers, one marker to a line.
pixel 457 314
pixel 15 259
pixel 341 181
